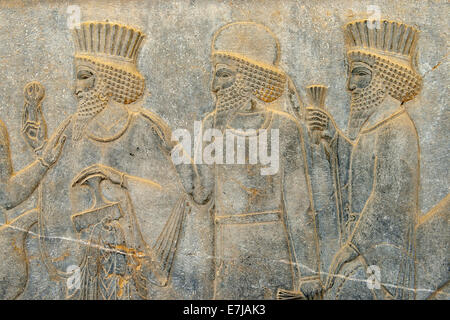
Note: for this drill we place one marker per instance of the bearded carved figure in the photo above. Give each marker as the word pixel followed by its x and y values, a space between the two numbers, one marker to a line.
pixel 115 179
pixel 377 164
pixel 263 226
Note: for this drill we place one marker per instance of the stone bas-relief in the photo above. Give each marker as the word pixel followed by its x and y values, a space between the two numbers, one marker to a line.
pixel 272 200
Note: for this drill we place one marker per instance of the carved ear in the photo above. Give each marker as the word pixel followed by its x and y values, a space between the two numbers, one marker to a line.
pixel 245 92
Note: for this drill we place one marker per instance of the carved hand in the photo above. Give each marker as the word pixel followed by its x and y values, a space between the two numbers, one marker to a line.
pixel 54 145
pixel 108 173
pixel 34 127
pixel 344 255
pixel 319 120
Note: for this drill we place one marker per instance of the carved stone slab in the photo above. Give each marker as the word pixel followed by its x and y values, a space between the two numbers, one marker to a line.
pixel 224 150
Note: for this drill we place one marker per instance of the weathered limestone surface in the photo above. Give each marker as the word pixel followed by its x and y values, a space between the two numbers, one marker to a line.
pixel 348 201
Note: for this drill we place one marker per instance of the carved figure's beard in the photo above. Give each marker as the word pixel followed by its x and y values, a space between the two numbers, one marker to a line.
pixel 88 107
pixel 230 99
pixel 363 104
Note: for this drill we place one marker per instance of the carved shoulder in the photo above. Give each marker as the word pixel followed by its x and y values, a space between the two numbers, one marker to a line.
pixel 398 130
pixel 159 127
pixel 397 139
pixel 290 128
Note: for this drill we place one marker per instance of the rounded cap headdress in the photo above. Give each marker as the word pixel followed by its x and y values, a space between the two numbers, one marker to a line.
pixel 248 40
pixel 257 52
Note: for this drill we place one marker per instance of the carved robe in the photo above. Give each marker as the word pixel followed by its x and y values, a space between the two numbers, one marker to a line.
pixel 264 227
pixel 132 251
pixel 379 176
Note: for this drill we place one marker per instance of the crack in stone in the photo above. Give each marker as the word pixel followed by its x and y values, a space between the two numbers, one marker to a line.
pixel 437 65
pixel 83 242
pixel 86 243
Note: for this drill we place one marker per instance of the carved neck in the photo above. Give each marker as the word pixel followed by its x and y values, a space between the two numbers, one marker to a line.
pixel 365 119
pixel 252 116
pixel 110 123
pixel 388 107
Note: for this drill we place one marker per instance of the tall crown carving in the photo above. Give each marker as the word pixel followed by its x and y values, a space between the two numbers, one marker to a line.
pixel 108 40
pixel 384 37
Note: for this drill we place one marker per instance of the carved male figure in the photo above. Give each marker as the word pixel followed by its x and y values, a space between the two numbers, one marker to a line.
pixel 264 226
pixel 378 164
pixel 114 180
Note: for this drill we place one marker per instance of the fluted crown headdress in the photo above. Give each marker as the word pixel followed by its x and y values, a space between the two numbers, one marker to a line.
pixel 390 47
pixel 389 38
pixel 113 49
pixel 110 41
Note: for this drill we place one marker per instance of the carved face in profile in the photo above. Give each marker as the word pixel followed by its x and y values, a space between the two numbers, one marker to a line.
pixel 360 76
pixel 229 86
pixel 224 76
pixel 85 79
pixel 89 91
pixel 366 85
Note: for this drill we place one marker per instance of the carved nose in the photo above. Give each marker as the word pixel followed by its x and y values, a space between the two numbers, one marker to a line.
pixel 215 87
pixel 351 86
pixel 77 90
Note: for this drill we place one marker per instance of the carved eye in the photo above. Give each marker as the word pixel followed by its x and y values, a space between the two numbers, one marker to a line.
pixel 84 74
pixel 361 72
pixel 224 73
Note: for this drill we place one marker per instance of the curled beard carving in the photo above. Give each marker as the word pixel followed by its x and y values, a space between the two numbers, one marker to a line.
pixel 89 106
pixel 230 99
pixel 364 102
